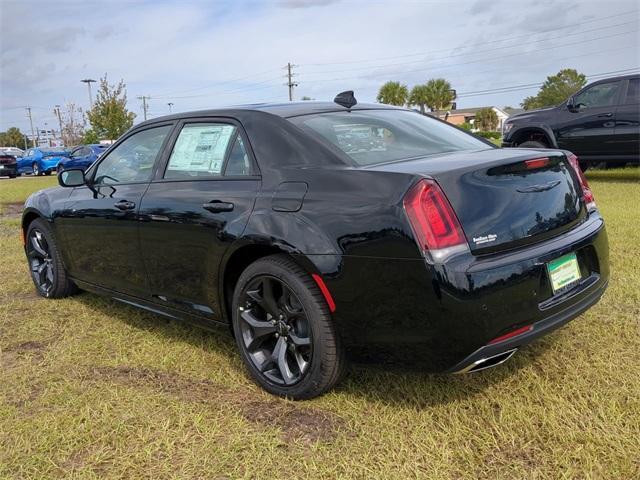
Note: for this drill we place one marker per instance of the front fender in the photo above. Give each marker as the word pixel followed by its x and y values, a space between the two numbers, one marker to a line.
pixel 540 127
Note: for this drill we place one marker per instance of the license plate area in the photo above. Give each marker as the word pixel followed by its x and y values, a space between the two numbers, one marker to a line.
pixel 564 273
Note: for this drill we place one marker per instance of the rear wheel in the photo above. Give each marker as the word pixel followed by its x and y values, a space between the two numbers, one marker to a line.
pixel 284 330
pixel 532 144
pixel 48 172
pixel 47 272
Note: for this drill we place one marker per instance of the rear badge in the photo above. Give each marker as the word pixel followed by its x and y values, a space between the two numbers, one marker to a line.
pixel 491 237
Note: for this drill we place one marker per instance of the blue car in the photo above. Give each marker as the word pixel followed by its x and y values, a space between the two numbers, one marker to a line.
pixel 82 156
pixel 41 161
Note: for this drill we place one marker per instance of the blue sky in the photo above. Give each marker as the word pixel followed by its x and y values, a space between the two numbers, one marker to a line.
pixel 201 54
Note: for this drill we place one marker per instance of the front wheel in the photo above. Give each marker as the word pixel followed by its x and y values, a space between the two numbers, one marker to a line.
pixel 36 169
pixel 45 263
pixel 284 330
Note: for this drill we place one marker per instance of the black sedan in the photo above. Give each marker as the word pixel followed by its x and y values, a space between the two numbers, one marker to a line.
pixel 317 229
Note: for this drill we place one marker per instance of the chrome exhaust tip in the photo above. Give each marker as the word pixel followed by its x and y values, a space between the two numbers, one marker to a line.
pixel 489 362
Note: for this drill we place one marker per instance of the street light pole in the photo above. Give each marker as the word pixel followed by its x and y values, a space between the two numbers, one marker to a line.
pixel 89 81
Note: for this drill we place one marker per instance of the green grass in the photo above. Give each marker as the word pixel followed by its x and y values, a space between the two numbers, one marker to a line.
pixel 94 389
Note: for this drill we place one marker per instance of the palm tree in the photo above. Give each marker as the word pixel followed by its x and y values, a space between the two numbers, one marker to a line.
pixel 393 93
pixel 486 119
pixel 438 94
pixel 419 97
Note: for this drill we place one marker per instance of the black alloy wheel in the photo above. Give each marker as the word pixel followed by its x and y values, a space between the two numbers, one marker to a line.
pixel 284 330
pixel 40 262
pixel 47 271
pixel 275 330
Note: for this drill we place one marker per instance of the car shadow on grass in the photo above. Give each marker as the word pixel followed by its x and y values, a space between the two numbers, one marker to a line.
pixel 379 380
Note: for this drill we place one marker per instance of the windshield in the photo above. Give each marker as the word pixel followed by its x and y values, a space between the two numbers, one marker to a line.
pixel 369 137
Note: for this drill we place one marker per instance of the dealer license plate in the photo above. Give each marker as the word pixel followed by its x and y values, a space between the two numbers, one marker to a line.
pixel 563 272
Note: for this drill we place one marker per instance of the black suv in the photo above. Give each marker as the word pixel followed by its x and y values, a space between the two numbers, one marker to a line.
pixel 600 123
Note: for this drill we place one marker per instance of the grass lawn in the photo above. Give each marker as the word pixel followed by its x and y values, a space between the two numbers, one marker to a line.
pixel 91 388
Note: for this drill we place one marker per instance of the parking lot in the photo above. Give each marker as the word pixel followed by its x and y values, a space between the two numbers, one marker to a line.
pixel 95 389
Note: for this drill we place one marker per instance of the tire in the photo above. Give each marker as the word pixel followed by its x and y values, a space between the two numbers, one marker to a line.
pixel 48 172
pixel 532 144
pixel 52 281
pixel 36 169
pixel 311 369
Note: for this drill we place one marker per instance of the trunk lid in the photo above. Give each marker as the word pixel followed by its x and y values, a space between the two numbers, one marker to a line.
pixel 501 201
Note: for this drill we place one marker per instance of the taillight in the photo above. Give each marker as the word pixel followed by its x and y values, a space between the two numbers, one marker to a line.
pixel 587 194
pixel 434 223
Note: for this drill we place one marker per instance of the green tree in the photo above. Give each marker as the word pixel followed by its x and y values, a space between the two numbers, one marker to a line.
pixel 90 136
pixel 419 97
pixel 486 120
pixel 556 89
pixel 393 93
pixel 109 117
pixel 13 137
pixel 438 94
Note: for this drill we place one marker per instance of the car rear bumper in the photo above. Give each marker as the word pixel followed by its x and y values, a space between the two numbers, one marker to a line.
pixel 441 318
pixel 7 170
pixel 477 360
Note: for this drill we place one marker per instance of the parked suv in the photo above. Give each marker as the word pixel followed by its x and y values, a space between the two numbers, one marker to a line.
pixel 600 123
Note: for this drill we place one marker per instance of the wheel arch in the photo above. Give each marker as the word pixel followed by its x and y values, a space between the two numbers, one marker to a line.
pixel 536 133
pixel 236 261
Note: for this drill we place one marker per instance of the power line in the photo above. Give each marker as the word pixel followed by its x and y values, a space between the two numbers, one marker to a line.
pixel 479 52
pixel 394 57
pixel 212 85
pixel 473 61
pixel 514 88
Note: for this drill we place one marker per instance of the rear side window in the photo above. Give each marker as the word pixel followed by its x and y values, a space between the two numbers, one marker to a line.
pixel 633 92
pixel 200 150
pixel 369 137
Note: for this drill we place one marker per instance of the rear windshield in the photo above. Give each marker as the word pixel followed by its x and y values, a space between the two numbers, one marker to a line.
pixel 369 137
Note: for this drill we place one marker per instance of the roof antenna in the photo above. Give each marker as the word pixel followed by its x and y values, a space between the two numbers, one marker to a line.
pixel 346 99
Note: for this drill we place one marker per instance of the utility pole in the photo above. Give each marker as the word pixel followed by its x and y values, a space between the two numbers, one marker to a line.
pixel 33 134
pixel 89 81
pixel 57 112
pixel 170 107
pixel 290 83
pixel 144 104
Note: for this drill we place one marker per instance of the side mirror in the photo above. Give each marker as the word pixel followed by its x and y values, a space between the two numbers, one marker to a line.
pixel 74 177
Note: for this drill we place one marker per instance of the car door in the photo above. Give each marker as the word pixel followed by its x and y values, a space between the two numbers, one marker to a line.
pixel 24 163
pixel 627 132
pixel 197 206
pixel 75 155
pixel 99 222
pixel 588 127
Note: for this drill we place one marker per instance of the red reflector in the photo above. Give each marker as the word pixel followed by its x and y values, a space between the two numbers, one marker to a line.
pixel 509 335
pixel 325 292
pixel 434 222
pixel 536 163
pixel 587 194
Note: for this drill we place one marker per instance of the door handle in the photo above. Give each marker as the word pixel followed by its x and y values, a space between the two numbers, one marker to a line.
pixel 217 206
pixel 124 205
pixel 605 115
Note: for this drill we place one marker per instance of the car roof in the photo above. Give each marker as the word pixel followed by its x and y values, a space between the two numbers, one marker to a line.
pixel 284 110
